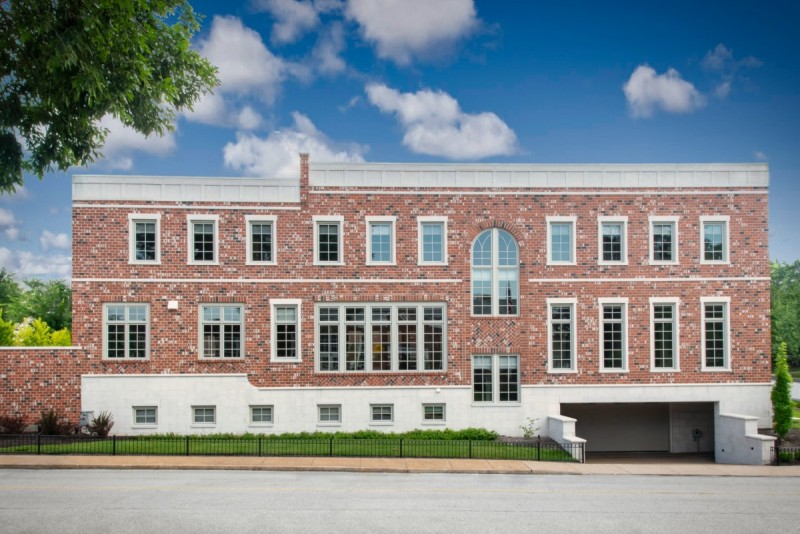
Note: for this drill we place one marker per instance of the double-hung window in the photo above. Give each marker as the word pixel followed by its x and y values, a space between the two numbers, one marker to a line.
pixel 663 240
pixel 221 331
pixel 495 273
pixel 716 333
pixel 145 242
pixel 328 241
pixel 381 240
pixel 664 335
pixel 714 239
pixel 561 240
pixel 381 337
pixel 432 240
pixel 203 239
pixel 613 334
pixel 127 331
pixel 261 239
pixel 495 378
pixel 561 340
pixel 612 240
pixel 285 330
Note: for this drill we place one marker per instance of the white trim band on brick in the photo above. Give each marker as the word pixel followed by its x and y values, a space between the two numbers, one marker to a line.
pixel 665 279
pixel 497 192
pixel 241 206
pixel 275 280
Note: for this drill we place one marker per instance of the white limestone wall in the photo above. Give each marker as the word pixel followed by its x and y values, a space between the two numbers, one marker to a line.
pixel 738 441
pixel 295 409
pixel 684 419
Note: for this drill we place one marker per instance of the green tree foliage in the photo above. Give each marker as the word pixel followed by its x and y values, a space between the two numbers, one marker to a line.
pixel 786 307
pixel 6 332
pixel 35 333
pixel 50 301
pixel 9 289
pixel 782 395
pixel 65 64
pixel 61 338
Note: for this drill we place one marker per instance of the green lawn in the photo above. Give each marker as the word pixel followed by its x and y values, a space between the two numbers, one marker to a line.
pixel 295 447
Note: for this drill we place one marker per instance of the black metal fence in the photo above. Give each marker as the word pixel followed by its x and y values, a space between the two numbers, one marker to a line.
pixel 268 446
pixel 785 455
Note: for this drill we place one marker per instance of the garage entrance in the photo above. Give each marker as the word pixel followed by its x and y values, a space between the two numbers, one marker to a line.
pixel 657 427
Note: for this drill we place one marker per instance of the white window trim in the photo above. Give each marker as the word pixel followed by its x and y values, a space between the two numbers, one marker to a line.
pixel 496 381
pixel 250 421
pixel 625 327
pixel 134 424
pixel 105 332
pixel 676 303
pixel 561 219
pixel 200 347
pixel 435 422
pixel 674 220
pixel 274 303
pixel 329 423
pixel 550 303
pixel 421 220
pixel 726 333
pixel 134 218
pixel 495 269
pixel 612 219
pixel 726 251
pixel 249 220
pixel 392 220
pixel 203 425
pixel 335 219
pixel 190 220
pixel 373 422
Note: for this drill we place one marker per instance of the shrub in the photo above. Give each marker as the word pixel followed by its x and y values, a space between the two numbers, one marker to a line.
pixel 101 424
pixel 61 338
pixel 782 395
pixel 6 332
pixel 12 424
pixel 530 428
pixel 34 333
pixel 51 423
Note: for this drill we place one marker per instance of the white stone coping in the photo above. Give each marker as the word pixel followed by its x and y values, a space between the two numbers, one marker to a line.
pixel 46 347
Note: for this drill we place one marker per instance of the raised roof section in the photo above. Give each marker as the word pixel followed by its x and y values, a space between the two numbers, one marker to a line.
pixel 185 189
pixel 537 176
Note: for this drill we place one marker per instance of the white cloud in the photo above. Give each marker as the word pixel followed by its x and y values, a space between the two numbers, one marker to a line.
pixel 50 240
pixel 722 61
pixel 26 264
pixel 7 218
pixel 122 142
pixel 716 59
pixel 7 260
pixel 327 53
pixel 723 89
pixel 21 193
pixel 293 18
pixel 277 155
pixel 646 91
pixel 405 29
pixel 760 156
pixel 435 125
pixel 12 233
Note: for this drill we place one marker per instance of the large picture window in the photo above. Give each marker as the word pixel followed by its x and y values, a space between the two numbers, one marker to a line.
pixel 381 337
pixel 127 331
pixel 495 273
pixel 495 378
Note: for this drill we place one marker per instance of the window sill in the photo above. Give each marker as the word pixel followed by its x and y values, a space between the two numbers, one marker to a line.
pixel 716 370
pixel 331 424
pixel 221 359
pixel 262 263
pixel 381 423
pixel 431 263
pixel 657 263
pixel 614 371
pixel 710 262
pixel 612 263
pixel 215 262
pixel 498 404
pixel 561 371
pixel 116 360
pixel 434 423
pixel 142 262
pixel 381 264
pixel 328 263
pixel 559 263
pixel 275 359
pixel 665 369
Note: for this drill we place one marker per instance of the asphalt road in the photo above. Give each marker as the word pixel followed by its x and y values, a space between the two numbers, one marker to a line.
pixel 86 501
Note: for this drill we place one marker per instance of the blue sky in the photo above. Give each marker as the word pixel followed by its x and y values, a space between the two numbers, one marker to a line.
pixel 457 80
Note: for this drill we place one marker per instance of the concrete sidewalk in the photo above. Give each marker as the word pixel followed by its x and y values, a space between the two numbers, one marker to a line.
pixel 639 466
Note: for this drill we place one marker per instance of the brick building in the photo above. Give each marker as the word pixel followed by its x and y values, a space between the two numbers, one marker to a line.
pixel 624 304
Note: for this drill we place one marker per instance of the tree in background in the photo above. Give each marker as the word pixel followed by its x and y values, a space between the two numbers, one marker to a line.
pixel 50 301
pixel 66 64
pixel 9 289
pixel 38 314
pixel 782 395
pixel 785 293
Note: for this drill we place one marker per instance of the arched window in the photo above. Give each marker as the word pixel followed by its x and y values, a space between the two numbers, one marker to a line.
pixel 495 273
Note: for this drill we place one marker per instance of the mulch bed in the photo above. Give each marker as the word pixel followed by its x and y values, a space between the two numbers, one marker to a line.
pixel 792 439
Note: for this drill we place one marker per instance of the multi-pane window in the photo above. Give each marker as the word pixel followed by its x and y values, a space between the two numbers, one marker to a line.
pixel 561 240
pixel 145 415
pixel 328 239
pixel 144 242
pixel 495 378
pixel 714 239
pixel 203 238
pixel 381 338
pixel 613 336
pixel 432 413
pixel 495 274
pixel 380 240
pixel 561 340
pixel 285 329
pixel 612 240
pixel 222 331
pixel 330 413
pixel 663 240
pixel 261 414
pixel 432 237
pixel 204 415
pixel 664 336
pixel 260 239
pixel 126 331
pixel 715 334
pixel 381 413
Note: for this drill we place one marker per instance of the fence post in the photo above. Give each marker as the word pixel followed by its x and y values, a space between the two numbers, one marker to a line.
pixel 114 445
pixel 187 445
pixel 470 448
pixel 777 454
pixel 539 450
pixel 38 444
pixel 401 447
pixel 259 445
pixel 330 447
